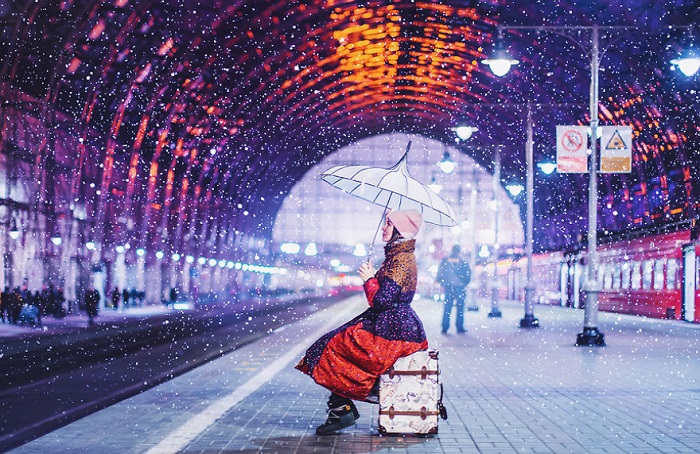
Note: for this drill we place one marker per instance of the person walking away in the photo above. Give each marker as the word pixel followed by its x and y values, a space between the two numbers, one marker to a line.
pixel 92 303
pixel 116 294
pixel 126 296
pixel 349 360
pixel 5 304
pixel 454 275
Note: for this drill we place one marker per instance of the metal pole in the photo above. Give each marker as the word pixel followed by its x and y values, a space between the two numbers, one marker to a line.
pixel 495 311
pixel 471 288
pixel 529 320
pixel 590 334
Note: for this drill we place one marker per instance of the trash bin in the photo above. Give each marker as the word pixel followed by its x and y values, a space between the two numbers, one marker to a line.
pixel 671 313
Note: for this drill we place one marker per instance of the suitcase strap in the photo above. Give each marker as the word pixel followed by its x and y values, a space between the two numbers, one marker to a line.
pixel 423 373
pixel 423 412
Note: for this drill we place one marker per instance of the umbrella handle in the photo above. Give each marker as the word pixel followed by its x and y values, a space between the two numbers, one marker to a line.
pixel 381 221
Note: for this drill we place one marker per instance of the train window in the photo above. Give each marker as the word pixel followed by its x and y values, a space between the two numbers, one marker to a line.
pixel 616 276
pixel 647 268
pixel 659 274
pixel 672 275
pixel 626 275
pixel 636 280
pixel 603 271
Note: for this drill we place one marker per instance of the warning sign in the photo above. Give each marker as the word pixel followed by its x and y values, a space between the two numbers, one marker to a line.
pixel 616 149
pixel 572 149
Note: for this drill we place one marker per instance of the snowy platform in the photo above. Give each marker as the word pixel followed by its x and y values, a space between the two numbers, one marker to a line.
pixel 507 390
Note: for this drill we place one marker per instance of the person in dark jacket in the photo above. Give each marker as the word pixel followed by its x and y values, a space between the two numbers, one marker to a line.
pixel 92 303
pixel 454 275
pixel 116 295
pixel 349 360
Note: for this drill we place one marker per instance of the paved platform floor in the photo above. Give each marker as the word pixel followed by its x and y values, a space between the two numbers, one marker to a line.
pixel 507 390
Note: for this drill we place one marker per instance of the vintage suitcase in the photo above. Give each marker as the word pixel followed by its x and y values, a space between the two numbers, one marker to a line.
pixel 410 396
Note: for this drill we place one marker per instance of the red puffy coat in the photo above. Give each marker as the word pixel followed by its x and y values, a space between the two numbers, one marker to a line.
pixel 349 359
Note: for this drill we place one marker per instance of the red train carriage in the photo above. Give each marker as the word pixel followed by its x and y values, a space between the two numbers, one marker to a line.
pixel 655 276
pixel 643 276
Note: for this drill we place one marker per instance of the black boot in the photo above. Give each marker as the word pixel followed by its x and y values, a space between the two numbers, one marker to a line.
pixel 342 413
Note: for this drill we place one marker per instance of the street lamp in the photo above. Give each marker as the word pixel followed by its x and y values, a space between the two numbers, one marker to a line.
pixel 465 132
pixel 547 167
pixel 447 165
pixel 496 183
pixel 500 61
pixel 14 231
pixel 529 320
pixel 689 61
pixel 514 189
pixel 590 335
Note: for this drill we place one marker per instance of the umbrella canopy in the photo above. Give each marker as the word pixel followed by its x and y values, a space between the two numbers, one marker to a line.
pixel 392 188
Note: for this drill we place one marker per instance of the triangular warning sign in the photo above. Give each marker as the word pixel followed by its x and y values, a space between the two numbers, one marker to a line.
pixel 616 142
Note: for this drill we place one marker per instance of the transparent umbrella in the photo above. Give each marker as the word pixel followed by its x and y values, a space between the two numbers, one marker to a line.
pixel 393 188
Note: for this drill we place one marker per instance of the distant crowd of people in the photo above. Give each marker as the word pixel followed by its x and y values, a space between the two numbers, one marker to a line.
pixel 127 298
pixel 21 306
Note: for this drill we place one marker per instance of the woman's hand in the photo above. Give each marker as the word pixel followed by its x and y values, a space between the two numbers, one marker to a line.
pixel 366 271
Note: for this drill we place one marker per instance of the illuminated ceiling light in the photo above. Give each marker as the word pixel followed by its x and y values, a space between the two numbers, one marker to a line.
pixel 97 29
pixel 176 257
pixel 14 231
pixel 465 132
pixel 212 262
pixel 688 62
pixel 447 165
pixel 160 255
pixel 290 248
pixel 56 240
pixel 547 167
pixel 435 186
pixel 311 249
pixel 120 249
pixel 201 260
pixel 189 259
pixel 515 189
pixel 484 251
pixel 90 245
pixel 359 251
pixel 500 60
pixel 140 252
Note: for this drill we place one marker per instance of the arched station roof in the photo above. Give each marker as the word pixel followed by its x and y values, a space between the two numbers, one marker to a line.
pixel 189 119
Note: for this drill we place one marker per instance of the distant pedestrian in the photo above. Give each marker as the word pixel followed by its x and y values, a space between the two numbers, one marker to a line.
pixel 15 306
pixel 5 304
pixel 454 275
pixel 116 294
pixel 92 303
pixel 125 295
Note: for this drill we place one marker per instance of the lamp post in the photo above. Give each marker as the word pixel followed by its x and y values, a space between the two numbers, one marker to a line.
pixel 495 311
pixel 590 336
pixel 529 320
